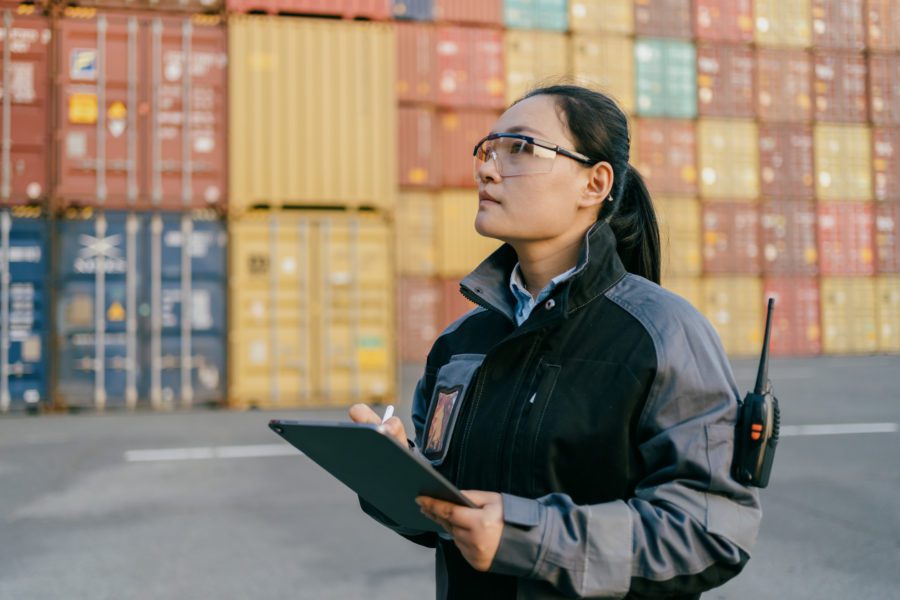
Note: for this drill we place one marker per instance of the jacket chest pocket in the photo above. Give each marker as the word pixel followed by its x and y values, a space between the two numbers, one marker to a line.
pixel 536 402
pixel 452 387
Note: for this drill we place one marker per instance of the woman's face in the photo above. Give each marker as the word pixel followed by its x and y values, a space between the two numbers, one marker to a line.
pixel 540 206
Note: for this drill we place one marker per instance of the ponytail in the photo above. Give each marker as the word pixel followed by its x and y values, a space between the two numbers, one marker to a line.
pixel 634 224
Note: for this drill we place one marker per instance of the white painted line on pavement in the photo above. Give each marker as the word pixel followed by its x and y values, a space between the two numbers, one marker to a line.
pixel 839 429
pixel 211 452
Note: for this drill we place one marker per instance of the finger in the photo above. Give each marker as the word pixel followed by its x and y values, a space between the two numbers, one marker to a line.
pixel 394 427
pixel 480 497
pixel 361 413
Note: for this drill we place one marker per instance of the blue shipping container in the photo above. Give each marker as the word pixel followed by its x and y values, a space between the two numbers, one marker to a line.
pixel 154 350
pixel 414 10
pixel 549 15
pixel 23 311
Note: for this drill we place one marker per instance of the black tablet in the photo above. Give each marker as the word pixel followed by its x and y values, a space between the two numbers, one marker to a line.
pixel 374 466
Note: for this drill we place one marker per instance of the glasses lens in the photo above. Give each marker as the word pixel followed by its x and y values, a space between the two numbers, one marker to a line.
pixel 515 156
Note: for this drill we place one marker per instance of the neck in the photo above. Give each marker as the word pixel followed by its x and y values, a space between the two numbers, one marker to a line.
pixel 541 261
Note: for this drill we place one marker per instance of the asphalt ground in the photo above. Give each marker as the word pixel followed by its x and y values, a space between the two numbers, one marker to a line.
pixel 84 513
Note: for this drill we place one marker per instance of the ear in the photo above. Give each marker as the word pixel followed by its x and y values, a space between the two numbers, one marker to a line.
pixel 598 185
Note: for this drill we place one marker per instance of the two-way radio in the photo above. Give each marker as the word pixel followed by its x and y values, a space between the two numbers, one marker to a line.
pixel 758 422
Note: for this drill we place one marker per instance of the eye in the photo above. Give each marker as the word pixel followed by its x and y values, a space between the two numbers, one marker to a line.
pixel 519 147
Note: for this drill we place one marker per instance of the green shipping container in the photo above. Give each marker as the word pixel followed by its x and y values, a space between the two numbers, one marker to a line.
pixel 666 78
pixel 551 15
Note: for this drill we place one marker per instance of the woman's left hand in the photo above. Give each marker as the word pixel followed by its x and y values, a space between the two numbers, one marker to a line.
pixel 476 531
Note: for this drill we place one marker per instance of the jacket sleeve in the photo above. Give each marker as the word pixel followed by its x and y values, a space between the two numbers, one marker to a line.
pixel 688 527
pixel 419 410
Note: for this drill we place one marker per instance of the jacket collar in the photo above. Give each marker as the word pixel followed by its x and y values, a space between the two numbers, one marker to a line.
pixel 597 270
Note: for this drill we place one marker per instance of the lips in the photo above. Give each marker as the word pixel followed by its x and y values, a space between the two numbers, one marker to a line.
pixel 485 197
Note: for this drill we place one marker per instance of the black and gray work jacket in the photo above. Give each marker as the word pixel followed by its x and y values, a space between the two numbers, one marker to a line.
pixel 606 420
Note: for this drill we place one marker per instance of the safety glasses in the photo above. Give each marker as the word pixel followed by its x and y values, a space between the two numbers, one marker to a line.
pixel 515 154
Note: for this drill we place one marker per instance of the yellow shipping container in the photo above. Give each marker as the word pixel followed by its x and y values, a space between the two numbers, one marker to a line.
pixel 313 117
pixel 888 291
pixel 416 228
pixel 843 159
pixel 607 63
pixel 729 159
pixel 786 23
pixel 311 312
pixel 734 305
pixel 849 315
pixel 460 247
pixel 680 234
pixel 608 16
pixel 533 56
pixel 689 288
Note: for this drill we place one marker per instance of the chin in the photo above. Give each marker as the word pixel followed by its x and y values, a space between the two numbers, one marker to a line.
pixel 485 227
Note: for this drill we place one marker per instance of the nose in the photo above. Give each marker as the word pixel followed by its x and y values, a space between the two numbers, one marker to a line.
pixel 487 171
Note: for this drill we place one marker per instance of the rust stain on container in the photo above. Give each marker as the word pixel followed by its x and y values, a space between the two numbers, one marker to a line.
pixel 849 317
pixel 839 87
pixel 789 238
pixel 887 237
pixel 476 12
pixel 418 312
pixel 663 18
pixel 725 79
pixel 883 24
pixel 459 131
pixel 839 24
pixel 796 327
pixel 845 235
pixel 731 238
pixel 843 159
pixel 608 16
pixel 664 152
pixel 784 85
pixel 416 62
pixel 418 152
pixel 470 70
pixel 734 306
pixel 887 290
pixel 680 237
pixel 729 159
pixel 884 88
pixel 886 162
pixel 724 20
pixel 786 161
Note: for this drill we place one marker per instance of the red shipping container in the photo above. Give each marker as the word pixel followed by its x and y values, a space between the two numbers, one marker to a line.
pixel 470 68
pixel 416 62
pixel 839 24
pixel 795 320
pixel 839 83
pixel 786 161
pixel 122 140
pixel 731 238
pixel 418 154
pixel 479 12
pixel 724 20
pixel 886 162
pixel 789 238
pixel 663 18
pixel 883 24
pixel 186 6
pixel 725 76
pixel 887 240
pixel 348 9
pixel 784 85
pixel 845 239
pixel 459 132
pixel 884 88
pixel 419 307
pixel 665 151
pixel 25 175
pixel 453 304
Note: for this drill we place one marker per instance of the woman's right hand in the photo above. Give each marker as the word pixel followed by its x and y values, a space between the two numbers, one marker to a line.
pixel 393 427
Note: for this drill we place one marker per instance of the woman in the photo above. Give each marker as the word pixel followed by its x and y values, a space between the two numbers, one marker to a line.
pixel 592 412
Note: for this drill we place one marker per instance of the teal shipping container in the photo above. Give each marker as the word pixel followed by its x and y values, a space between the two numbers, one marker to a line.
pixel 549 15
pixel 666 78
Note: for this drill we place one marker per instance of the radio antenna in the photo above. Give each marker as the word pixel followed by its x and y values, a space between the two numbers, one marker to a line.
pixel 762 376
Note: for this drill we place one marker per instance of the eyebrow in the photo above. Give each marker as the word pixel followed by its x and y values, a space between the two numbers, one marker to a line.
pixel 521 128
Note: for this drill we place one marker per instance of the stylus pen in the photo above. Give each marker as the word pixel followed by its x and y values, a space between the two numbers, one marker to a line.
pixel 388 413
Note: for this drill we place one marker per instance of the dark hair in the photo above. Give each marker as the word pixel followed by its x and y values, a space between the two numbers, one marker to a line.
pixel 600 131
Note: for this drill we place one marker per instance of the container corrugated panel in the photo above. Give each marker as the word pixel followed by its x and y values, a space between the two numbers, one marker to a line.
pixel 886 162
pixel 416 223
pixel 470 70
pixel 788 229
pixel 349 9
pixel 460 247
pixel 883 24
pixel 24 264
pixel 666 75
pixel 532 57
pixel 887 290
pixel 689 288
pixel 839 87
pixel 731 238
pixel 607 16
pixel 784 85
pixel 843 159
pixel 187 6
pixel 725 80
pixel 884 88
pixel 312 309
pixel 416 62
pixel 478 12
pixel 309 97
pixel 414 10
pixel 849 315
pixel 845 237
pixel 839 24
pixel 122 286
pixel 453 303
pixel 887 237
pixel 786 161
pixel 25 176
pixel 606 63
pixel 796 329
pixel 663 18
pixel 459 132
pixel 728 159
pixel 680 236
pixel 724 20
pixel 783 23
pixel 419 306
pixel 549 15
pixel 734 306
pixel 418 150
pixel 664 152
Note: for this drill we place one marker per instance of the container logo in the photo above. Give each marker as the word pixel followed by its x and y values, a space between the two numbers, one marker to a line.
pixel 94 247
pixel 84 64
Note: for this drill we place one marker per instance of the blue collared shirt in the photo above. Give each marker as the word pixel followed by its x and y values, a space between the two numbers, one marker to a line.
pixel 525 302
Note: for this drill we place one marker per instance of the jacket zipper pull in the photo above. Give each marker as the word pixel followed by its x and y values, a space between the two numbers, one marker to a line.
pixel 533 396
